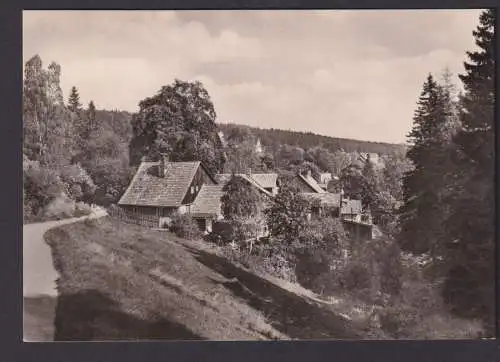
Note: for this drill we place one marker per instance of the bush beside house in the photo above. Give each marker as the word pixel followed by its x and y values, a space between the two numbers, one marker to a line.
pixel 184 226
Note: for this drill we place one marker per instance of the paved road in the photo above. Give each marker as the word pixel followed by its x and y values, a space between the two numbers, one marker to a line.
pixel 39 280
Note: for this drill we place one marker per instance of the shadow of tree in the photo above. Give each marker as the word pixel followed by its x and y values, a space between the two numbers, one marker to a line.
pixel 289 313
pixel 90 315
pixel 38 318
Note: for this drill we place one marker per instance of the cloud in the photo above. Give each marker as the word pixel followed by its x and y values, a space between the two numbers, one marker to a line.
pixel 130 52
pixel 354 74
pixel 413 33
pixel 129 33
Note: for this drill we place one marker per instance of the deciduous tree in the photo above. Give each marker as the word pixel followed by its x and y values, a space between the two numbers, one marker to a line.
pixel 287 216
pixel 242 206
pixel 164 121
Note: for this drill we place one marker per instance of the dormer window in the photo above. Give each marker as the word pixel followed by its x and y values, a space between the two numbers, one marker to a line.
pixel 192 190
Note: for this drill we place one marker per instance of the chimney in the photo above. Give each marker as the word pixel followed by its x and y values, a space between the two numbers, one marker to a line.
pixel 309 173
pixel 162 164
pixel 249 171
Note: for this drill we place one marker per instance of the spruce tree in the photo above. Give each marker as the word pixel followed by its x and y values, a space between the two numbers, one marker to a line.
pixel 370 175
pixel 91 110
pixel 421 213
pixel 469 288
pixel 91 117
pixel 477 137
pixel 74 104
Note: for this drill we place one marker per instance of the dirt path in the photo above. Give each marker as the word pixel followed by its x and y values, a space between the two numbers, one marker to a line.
pixel 39 279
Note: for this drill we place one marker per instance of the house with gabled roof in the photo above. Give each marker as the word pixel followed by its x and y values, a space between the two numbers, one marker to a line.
pixel 206 208
pixel 163 188
pixel 356 221
pixel 160 189
pixel 262 181
pixel 305 183
pixel 344 207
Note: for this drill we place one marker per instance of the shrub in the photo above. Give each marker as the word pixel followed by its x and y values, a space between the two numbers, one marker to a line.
pixel 373 271
pixel 184 226
pixel 82 209
pixel 415 309
pixel 419 313
pixel 287 216
pixel 310 265
pixel 265 258
pixel 269 258
pixel 356 277
pixel 79 185
pixel 315 252
pixel 89 222
pixel 165 223
pixel 41 185
pixel 445 326
pixel 112 176
pixel 240 199
pixel 222 233
pixel 60 208
pixel 114 209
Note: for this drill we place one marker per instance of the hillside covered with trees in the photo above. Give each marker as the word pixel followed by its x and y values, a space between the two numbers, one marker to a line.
pixel 273 138
pixel 72 155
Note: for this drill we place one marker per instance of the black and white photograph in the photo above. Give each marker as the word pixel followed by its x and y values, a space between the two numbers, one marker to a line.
pixel 256 175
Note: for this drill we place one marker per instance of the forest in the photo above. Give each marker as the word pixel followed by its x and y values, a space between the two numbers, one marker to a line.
pixel 272 138
pixel 433 268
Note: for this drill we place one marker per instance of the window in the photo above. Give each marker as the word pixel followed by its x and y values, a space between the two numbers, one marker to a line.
pixel 192 189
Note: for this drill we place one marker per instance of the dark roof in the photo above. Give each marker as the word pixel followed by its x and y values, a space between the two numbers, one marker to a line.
pixel 311 182
pixel 208 201
pixel 223 178
pixel 147 189
pixel 351 207
pixel 326 198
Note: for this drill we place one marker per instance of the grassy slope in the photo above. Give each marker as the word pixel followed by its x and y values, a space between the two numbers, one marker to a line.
pixel 125 282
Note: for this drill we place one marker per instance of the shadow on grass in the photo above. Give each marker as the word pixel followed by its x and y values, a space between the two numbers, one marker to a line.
pixel 289 313
pixel 38 318
pixel 90 315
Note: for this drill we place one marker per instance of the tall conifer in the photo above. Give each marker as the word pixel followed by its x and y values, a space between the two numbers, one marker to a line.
pixel 421 213
pixel 74 104
pixel 469 288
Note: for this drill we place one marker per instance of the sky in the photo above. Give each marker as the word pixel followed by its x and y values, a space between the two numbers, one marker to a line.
pixel 342 73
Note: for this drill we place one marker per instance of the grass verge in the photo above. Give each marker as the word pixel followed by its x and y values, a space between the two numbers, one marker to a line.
pixel 120 282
